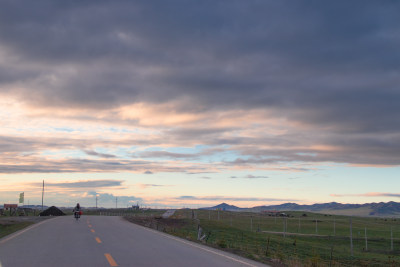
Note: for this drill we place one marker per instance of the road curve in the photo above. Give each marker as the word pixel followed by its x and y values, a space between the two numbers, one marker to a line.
pixel 106 241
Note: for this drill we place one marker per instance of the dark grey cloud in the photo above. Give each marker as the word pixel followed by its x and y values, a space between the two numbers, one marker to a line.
pixel 181 156
pixel 39 165
pixel 82 184
pixel 334 58
pixel 101 155
pixel 380 149
pixel 148 172
pixel 332 66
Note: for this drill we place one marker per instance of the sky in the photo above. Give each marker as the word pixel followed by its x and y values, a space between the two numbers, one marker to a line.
pixel 185 103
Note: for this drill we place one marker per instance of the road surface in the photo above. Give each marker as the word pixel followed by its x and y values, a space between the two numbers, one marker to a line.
pixel 106 241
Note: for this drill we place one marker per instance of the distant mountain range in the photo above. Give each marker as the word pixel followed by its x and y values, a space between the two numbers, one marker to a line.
pixel 380 209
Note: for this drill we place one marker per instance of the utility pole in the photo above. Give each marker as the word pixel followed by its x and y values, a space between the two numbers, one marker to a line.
pixel 42 194
pixel 116 202
pixel 96 202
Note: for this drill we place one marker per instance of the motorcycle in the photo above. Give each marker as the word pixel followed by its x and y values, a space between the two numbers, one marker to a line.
pixel 77 214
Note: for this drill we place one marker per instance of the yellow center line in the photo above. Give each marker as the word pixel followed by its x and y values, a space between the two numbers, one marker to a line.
pixel 98 240
pixel 92 230
pixel 110 259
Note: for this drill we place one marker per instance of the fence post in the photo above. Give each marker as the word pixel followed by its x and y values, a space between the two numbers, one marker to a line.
pixel 366 240
pixel 316 226
pixel 284 226
pixel 266 252
pixel 351 237
pixel 298 230
pixel 334 227
pixel 391 238
pixel 251 223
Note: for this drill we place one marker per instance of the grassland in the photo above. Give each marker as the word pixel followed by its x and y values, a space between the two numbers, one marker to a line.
pixel 302 239
pixel 8 226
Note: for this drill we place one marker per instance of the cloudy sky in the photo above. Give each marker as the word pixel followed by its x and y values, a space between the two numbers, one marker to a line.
pixel 193 103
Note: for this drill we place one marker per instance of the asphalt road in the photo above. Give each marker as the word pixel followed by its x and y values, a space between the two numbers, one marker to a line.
pixel 106 241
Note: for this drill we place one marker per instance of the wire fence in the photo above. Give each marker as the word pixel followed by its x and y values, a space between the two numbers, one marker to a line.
pixel 313 238
pixel 300 240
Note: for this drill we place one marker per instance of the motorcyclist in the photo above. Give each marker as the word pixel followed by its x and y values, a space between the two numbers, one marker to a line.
pixel 77 210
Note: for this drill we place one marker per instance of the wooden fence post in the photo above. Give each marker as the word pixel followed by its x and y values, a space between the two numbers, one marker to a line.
pixel 298 230
pixel 391 238
pixel 351 237
pixel 284 226
pixel 266 252
pixel 334 227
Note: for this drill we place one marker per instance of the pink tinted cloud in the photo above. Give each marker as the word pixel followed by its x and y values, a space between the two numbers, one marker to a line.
pixel 369 194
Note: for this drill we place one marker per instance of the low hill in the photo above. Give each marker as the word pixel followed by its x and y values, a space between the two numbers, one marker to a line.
pixel 380 209
pixel 224 206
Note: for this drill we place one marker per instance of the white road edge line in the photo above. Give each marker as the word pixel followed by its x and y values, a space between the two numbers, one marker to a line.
pixel 198 246
pixel 20 232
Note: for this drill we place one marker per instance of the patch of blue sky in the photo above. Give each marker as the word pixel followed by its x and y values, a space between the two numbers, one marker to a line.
pixel 153 148
pixel 123 130
pixel 122 152
pixel 224 156
pixel 217 156
pixel 364 173
pixel 64 129
pixel 334 178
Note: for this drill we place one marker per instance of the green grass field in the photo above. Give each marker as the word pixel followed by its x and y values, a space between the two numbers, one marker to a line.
pixel 309 239
pixel 7 228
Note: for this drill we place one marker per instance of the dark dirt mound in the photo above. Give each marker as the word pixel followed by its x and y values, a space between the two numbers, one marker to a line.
pixel 52 211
